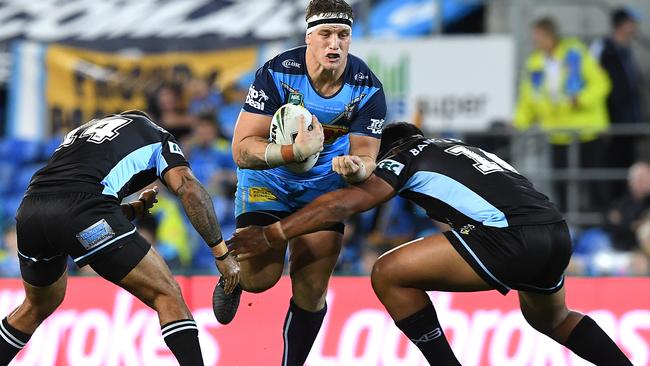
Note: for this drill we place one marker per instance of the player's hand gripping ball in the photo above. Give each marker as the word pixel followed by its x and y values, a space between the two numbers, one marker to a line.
pixel 294 125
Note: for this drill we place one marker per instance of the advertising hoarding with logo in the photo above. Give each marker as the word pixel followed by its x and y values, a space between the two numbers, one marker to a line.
pixel 59 87
pixel 111 327
pixel 456 83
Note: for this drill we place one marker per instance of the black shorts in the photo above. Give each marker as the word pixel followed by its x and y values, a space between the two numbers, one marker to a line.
pixel 264 218
pixel 89 228
pixel 526 258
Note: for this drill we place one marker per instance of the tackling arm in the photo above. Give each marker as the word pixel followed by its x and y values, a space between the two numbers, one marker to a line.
pixel 330 209
pixel 198 206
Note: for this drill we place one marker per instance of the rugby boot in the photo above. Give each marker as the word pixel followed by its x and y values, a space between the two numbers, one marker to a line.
pixel 225 306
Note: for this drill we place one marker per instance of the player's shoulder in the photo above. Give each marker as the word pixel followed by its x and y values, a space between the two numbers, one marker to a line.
pixel 143 123
pixel 359 73
pixel 291 61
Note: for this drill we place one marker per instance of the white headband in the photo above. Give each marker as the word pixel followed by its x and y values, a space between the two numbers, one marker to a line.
pixel 328 18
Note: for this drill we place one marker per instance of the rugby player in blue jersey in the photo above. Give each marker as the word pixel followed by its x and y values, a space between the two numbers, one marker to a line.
pixel 349 107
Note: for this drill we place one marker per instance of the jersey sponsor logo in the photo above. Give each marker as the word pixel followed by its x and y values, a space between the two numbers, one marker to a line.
pixel 95 234
pixel 361 77
pixel 333 133
pixel 465 230
pixel 256 98
pixel 376 125
pixel 261 194
pixel 174 148
pixel 392 166
pixel 428 337
pixel 291 63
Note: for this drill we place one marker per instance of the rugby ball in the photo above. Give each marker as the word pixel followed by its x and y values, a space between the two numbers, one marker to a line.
pixel 284 130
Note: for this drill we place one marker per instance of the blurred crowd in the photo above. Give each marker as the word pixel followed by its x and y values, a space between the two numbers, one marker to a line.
pixel 579 94
pixel 569 90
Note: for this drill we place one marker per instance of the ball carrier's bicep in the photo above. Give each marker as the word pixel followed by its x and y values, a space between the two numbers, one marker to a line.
pixel 250 140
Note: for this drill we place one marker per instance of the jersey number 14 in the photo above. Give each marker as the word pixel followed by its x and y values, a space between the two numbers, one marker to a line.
pixel 97 131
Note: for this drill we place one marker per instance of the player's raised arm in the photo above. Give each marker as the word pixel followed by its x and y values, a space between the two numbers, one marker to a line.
pixel 200 211
pixel 322 213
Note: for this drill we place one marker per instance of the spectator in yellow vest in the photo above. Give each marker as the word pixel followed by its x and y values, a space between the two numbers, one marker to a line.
pixel 564 90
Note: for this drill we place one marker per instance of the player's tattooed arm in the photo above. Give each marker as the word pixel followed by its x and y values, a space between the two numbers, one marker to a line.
pixel 200 211
pixel 250 140
pixel 252 153
pixel 196 202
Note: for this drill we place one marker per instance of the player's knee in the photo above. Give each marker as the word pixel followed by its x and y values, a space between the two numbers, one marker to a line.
pixel 545 321
pixel 169 294
pixel 257 284
pixel 382 275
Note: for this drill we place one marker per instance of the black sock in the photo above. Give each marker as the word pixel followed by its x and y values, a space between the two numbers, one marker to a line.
pixel 424 330
pixel 182 338
pixel 11 342
pixel 299 332
pixel 590 342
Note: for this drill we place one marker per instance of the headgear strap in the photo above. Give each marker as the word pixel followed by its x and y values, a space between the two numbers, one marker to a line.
pixel 328 18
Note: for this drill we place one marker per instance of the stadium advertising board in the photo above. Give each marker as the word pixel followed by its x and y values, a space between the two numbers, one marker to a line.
pixel 100 325
pixel 152 25
pixel 458 83
pixel 59 85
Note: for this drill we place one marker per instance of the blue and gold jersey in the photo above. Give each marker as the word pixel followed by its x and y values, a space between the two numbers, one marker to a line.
pixel 359 107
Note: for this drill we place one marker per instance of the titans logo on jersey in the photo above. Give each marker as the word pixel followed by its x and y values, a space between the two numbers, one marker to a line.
pixel 359 107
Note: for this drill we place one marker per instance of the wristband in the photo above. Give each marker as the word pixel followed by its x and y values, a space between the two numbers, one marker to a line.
pixel 222 257
pixel 273 155
pixel 276 155
pixel 217 242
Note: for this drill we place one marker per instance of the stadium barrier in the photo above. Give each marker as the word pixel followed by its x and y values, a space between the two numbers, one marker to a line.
pixel 99 324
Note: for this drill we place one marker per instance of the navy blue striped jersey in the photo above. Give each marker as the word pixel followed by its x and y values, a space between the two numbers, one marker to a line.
pixel 461 184
pixel 359 107
pixel 114 156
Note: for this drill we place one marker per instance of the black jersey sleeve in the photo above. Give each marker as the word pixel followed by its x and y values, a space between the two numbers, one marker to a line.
pixel 169 156
pixel 263 96
pixel 370 119
pixel 395 170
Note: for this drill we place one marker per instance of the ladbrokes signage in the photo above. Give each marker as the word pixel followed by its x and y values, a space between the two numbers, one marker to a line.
pixel 113 328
